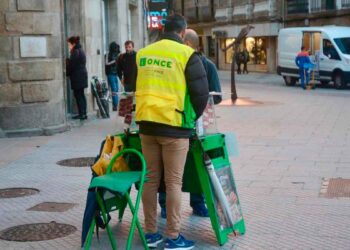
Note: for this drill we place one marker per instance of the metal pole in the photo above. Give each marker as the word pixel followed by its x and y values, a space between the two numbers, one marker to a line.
pixel 217 52
pixel 233 80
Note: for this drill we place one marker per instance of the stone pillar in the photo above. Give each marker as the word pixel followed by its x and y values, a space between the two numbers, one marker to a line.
pixel 120 23
pixel 250 9
pixel 93 37
pixel 271 54
pixel 113 24
pixel 31 76
pixel 273 8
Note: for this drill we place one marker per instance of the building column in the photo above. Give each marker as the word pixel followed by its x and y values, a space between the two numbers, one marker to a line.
pixel 126 23
pixel 338 4
pixel 31 62
pixel 271 54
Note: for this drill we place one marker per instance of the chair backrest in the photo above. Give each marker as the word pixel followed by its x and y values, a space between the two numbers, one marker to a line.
pixel 128 151
pixel 140 167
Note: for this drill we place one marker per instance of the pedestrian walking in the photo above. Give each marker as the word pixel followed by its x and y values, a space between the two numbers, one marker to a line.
pixel 126 66
pixel 191 39
pixel 239 61
pixel 112 72
pixel 246 59
pixel 77 72
pixel 302 60
pixel 171 93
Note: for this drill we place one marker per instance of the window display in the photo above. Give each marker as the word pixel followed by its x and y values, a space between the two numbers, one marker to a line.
pixel 229 52
pixel 256 47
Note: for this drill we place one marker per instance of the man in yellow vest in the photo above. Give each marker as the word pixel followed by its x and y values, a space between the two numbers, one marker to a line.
pixel 171 93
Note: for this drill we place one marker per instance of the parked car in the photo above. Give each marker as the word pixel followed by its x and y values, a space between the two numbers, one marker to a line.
pixel 329 48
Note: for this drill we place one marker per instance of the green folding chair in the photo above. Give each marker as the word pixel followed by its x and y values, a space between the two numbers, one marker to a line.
pixel 119 184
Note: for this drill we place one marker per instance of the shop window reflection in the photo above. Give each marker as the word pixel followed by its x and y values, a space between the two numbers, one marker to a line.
pixel 256 47
pixel 229 52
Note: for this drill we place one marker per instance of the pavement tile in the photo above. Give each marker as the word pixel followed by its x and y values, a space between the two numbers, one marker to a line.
pixel 284 152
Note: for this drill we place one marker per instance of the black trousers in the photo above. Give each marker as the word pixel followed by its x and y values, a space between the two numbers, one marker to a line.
pixel 245 68
pixel 238 68
pixel 81 101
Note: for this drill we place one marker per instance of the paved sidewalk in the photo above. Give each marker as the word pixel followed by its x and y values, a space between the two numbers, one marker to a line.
pixel 252 77
pixel 12 149
pixel 286 147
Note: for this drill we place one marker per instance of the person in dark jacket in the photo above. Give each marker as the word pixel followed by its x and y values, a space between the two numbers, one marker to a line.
pixel 77 72
pixel 111 71
pixel 127 69
pixel 246 59
pixel 191 39
pixel 239 60
pixel 171 93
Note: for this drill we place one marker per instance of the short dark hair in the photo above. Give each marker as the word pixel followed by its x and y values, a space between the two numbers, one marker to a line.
pixel 302 47
pixel 73 40
pixel 129 42
pixel 175 23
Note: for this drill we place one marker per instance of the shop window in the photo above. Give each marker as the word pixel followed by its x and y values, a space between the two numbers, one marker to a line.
pixel 229 52
pixel 256 47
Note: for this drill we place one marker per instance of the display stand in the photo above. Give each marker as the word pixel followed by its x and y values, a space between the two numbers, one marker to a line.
pixel 214 146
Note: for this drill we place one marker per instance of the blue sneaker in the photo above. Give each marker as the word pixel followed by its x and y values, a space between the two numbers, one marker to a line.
pixel 153 239
pixel 179 244
pixel 200 210
pixel 163 212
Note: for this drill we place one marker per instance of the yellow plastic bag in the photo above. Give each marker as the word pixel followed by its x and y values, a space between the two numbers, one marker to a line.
pixel 112 146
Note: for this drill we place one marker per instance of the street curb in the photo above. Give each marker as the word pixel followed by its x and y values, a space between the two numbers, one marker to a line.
pixel 47 131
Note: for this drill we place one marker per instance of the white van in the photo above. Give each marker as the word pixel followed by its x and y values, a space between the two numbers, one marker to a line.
pixel 329 48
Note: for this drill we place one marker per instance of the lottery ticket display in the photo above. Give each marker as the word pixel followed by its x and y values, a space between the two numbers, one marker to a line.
pixel 206 124
pixel 126 109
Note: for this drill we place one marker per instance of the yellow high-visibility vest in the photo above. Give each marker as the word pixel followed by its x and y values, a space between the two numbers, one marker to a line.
pixel 161 89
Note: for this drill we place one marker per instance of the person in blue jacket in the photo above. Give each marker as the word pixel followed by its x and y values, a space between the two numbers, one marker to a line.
pixel 302 60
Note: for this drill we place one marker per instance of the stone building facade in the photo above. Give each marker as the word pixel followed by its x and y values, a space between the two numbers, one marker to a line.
pixel 218 22
pixel 35 97
pixel 316 13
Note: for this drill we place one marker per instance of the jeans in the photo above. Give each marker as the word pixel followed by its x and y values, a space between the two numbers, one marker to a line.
pixel 168 155
pixel 113 83
pixel 81 101
pixel 304 77
pixel 195 199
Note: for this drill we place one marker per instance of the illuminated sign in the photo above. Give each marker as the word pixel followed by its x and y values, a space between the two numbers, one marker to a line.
pixel 157 13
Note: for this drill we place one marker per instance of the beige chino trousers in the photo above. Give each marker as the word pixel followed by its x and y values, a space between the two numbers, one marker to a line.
pixel 166 154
